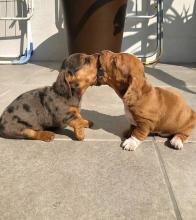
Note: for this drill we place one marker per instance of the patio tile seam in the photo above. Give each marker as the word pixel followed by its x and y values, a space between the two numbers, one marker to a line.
pixel 85 140
pixel 167 181
pixel 95 139
pixel 186 142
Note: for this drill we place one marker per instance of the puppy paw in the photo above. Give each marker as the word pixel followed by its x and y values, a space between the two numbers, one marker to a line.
pixel 176 142
pixel 46 136
pixel 79 134
pixel 131 143
pixel 90 124
pixel 87 123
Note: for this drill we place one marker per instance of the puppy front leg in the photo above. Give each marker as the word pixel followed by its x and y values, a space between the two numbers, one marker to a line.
pixel 127 133
pixel 86 123
pixel 139 133
pixel 78 125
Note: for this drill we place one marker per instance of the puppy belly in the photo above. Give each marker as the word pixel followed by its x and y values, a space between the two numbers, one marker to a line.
pixel 129 115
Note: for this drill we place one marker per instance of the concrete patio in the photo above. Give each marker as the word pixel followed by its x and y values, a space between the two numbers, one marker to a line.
pixel 95 179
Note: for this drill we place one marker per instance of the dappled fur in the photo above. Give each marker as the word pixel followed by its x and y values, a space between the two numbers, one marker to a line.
pixel 33 112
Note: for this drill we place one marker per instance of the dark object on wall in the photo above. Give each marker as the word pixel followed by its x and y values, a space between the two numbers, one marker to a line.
pixel 94 25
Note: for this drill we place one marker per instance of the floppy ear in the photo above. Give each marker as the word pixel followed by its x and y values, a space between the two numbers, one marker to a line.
pixel 69 66
pixel 62 86
pixel 134 91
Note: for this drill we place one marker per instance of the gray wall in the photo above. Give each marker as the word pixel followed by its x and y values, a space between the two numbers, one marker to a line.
pixel 50 39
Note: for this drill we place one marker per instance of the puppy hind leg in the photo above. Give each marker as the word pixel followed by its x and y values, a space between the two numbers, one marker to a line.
pixel 183 134
pixel 85 122
pixel 178 139
pixel 177 142
pixel 38 135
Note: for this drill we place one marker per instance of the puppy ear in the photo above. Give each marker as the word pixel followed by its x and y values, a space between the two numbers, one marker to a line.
pixel 64 64
pixel 62 86
pixel 133 92
pixel 69 67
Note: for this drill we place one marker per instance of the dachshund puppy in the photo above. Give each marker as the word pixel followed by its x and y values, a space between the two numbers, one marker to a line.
pixel 32 113
pixel 150 109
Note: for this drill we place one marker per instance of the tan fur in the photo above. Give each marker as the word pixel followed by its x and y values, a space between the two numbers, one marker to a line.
pixel 79 123
pixel 154 109
pixel 38 135
pixel 86 76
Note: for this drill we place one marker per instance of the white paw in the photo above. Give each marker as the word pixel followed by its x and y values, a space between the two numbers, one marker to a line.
pixel 176 142
pixel 131 143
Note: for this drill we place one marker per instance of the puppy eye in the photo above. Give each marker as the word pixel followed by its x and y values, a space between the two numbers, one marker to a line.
pixel 87 60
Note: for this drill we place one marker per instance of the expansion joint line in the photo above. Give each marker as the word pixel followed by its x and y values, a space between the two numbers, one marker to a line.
pixel 167 181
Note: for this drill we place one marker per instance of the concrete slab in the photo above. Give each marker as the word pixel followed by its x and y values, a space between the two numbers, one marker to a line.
pixel 81 180
pixel 4 89
pixel 95 179
pixel 180 168
pixel 27 74
pixel 182 79
pixel 177 76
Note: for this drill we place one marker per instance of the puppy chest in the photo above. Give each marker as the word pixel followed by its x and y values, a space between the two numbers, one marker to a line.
pixel 129 115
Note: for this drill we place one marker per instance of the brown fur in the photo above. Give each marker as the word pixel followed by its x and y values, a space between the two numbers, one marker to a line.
pixel 154 109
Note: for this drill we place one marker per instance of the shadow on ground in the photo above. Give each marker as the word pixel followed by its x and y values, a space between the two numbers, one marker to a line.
pixel 111 124
pixel 168 79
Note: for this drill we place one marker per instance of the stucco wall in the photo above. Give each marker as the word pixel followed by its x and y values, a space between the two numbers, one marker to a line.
pixel 179 30
pixel 50 40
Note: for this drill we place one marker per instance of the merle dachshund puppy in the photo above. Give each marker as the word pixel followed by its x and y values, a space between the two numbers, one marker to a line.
pixel 32 113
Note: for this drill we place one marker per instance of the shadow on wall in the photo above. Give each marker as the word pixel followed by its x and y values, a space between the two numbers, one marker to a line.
pixel 139 34
pixel 56 45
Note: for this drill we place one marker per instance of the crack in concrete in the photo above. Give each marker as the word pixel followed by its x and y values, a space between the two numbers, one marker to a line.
pixel 168 183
